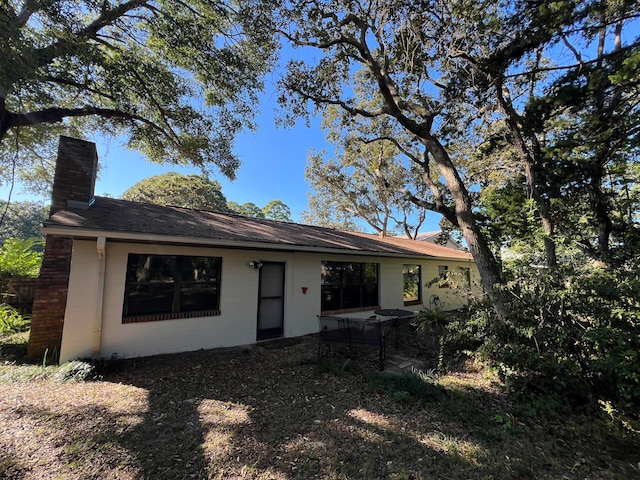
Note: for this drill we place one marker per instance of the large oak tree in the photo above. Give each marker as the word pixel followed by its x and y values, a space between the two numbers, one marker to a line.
pixel 178 78
pixel 446 73
pixel 397 47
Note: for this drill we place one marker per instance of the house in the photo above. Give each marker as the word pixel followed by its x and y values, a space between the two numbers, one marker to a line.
pixel 138 279
pixel 438 237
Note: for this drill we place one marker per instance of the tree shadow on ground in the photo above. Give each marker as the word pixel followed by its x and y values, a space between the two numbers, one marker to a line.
pixel 272 413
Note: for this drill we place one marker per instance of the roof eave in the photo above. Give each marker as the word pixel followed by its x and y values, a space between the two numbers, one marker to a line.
pixel 135 237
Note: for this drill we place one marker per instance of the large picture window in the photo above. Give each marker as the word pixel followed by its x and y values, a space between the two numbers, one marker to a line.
pixel 161 287
pixel 349 285
pixel 412 281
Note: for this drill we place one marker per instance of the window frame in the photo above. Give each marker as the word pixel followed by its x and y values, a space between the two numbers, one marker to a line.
pixel 346 282
pixel 443 271
pixel 417 301
pixel 171 267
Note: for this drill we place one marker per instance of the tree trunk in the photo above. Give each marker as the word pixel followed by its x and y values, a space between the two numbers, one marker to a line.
pixel 600 207
pixel 544 210
pixel 5 120
pixel 478 246
pixel 528 157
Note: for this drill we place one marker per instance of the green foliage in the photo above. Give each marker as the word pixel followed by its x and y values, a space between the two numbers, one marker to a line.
pixel 74 371
pixel 200 193
pixel 104 366
pixel 11 321
pixel 19 259
pixel 70 372
pixel 179 79
pixel 432 321
pixel 367 176
pixel 573 338
pixel 277 210
pixel 408 386
pixel 248 209
pixel 189 191
pixel 22 220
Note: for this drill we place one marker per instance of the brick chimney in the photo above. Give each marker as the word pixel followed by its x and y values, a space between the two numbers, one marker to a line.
pixel 73 186
pixel 75 178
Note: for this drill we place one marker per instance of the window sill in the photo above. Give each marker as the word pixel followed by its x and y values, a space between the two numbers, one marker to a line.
pixel 156 317
pixel 412 302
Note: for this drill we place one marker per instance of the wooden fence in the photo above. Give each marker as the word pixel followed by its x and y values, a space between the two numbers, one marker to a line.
pixel 21 292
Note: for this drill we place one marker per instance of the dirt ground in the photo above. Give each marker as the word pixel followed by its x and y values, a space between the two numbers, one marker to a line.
pixel 274 412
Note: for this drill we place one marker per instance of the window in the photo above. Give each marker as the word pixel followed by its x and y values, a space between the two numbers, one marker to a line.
pixel 443 272
pixel 412 281
pixel 162 287
pixel 349 285
pixel 465 272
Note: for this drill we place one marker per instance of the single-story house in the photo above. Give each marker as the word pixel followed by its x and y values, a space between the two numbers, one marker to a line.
pixel 135 279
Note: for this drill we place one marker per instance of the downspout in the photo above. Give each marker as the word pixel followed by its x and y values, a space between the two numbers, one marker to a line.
pixel 97 319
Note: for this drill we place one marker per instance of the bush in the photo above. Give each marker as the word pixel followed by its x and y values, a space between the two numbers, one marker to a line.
pixel 11 321
pixel 18 258
pixel 574 337
pixel 75 371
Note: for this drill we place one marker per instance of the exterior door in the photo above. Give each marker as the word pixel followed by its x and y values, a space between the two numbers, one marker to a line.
pixel 271 301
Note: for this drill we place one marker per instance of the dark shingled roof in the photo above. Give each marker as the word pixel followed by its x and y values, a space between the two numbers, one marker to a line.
pixel 111 217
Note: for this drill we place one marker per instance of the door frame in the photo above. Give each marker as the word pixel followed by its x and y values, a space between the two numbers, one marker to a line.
pixel 260 335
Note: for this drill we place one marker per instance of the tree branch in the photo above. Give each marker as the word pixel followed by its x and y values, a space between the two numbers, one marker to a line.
pixel 108 17
pixel 56 115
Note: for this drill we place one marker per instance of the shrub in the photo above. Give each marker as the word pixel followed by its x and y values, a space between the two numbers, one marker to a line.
pixel 574 337
pixel 18 258
pixel 432 321
pixel 75 371
pixel 11 321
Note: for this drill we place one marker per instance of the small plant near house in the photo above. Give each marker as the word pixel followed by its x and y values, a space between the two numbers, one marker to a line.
pixel 11 321
pixel 75 371
pixel 432 321
pixel 104 366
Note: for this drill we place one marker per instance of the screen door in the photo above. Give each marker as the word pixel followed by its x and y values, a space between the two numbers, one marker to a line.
pixel 271 300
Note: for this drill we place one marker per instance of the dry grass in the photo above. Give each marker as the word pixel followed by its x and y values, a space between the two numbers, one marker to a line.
pixel 273 412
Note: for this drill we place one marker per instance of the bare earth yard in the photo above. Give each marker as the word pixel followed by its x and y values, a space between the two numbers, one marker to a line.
pixel 273 412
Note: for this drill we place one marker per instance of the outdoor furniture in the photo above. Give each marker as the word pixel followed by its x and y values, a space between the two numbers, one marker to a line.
pixel 401 321
pixel 353 333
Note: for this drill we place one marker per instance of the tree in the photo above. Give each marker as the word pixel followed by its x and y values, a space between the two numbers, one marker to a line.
pixel 367 179
pixel 595 119
pixel 179 79
pixel 22 220
pixel 396 48
pixel 248 209
pixel 277 210
pixel 546 106
pixel 19 258
pixel 189 191
pixel 323 212
pixel 200 193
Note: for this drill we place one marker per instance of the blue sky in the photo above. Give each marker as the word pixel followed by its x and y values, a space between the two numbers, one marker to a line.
pixel 272 159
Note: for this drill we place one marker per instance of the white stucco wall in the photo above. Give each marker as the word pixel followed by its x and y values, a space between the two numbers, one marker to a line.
pixel 237 323
pixel 81 302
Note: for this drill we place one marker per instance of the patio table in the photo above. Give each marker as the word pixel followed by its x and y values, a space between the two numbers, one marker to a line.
pixel 394 312
pixel 396 317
